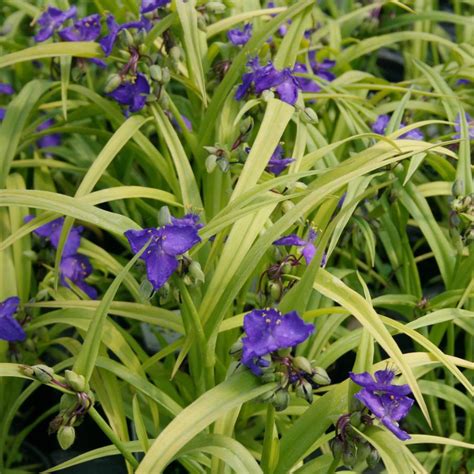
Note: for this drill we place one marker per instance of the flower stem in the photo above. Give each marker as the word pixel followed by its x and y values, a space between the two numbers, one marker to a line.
pixel 268 452
pixel 102 424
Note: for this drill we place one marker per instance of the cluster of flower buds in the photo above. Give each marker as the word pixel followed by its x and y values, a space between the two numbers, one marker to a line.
pixel 347 446
pixel 74 404
pixel 208 13
pixel 291 373
pixel 461 217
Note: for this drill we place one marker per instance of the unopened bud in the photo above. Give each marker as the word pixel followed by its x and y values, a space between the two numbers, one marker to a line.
pixel 363 451
pixel 223 164
pixel 458 187
pixel 43 373
pixel 246 125
pixel 320 376
pixel 303 363
pixel 236 348
pixel 67 402
pixel 309 115
pixel 215 7
pixel 211 163
pixel 268 396
pixel 275 289
pixel 201 23
pixel 337 446
pixel 113 81
pixel 356 419
pixel 76 381
pixel 126 38
pixel 66 436
pixel 187 280
pixel 373 458
pixel 164 216
pixel 281 400
pixel 175 54
pixel 349 457
pixel 156 73
pixel 27 370
pixel 146 290
pixel 196 272
pixel 268 377
pixel 268 95
pixel 305 390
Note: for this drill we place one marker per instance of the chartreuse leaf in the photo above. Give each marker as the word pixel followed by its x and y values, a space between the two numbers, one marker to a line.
pixel 140 424
pixel 85 361
pixel 213 404
pixel 68 206
pixel 80 49
pixel 16 117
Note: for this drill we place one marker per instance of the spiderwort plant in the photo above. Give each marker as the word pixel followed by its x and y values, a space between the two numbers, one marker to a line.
pixel 10 329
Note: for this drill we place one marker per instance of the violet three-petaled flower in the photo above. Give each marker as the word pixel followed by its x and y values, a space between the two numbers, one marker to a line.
pixel 388 402
pixel 6 89
pixel 76 268
pixel 380 125
pixel 48 141
pixel 107 43
pixel 277 163
pixel 267 77
pixel 151 5
pixel 268 330
pixel 10 328
pixel 304 83
pixel 240 37
pixel 51 20
pixel 85 29
pixel 165 245
pixel 132 94
pixel 307 246
pixel 470 126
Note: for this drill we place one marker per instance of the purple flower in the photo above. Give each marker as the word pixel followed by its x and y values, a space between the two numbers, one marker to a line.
pixel 76 268
pixel 277 163
pixel 470 126
pixel 151 5
pixel 308 249
pixel 266 77
pixel 132 93
pixel 52 232
pixel 85 29
pixel 304 83
pixel 6 89
pixel 10 328
pixel 3 111
pixel 48 141
pixel 240 37
pixel 388 402
pixel 463 82
pixel 107 43
pixel 380 125
pixel 176 124
pixel 322 69
pixel 51 20
pixel 166 244
pixel 267 330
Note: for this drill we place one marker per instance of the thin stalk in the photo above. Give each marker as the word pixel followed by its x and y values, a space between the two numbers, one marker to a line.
pixel 267 451
pixel 102 424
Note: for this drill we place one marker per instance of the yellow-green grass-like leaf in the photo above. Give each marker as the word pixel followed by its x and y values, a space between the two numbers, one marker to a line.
pixel 69 206
pixel 16 117
pixel 212 405
pixel 80 49
pixel 85 361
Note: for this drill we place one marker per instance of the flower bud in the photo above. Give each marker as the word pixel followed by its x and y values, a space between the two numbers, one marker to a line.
pixel 27 370
pixel 126 38
pixel 282 378
pixel 246 125
pixel 223 164
pixel 164 216
pixel 275 289
pixel 68 402
pixel 166 76
pixel 43 373
pixel 457 205
pixel 303 363
pixel 305 390
pixel 337 446
pixel 281 400
pixel 196 272
pixel 215 7
pixel 201 23
pixel 320 376
pixel 175 54
pixel 76 381
pixel 286 268
pixel 236 348
pixel 113 81
pixel 268 377
pixel 356 419
pixel 309 115
pixel 267 396
pixel 66 436
pixel 156 73
pixel 187 280
pixel 349 457
pixel 211 163
pixel 458 187
pixel 363 451
pixel 373 458
pixel 146 290
pixel 267 95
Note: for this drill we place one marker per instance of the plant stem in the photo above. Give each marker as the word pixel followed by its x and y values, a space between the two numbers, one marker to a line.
pixel 102 424
pixel 267 461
